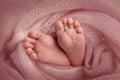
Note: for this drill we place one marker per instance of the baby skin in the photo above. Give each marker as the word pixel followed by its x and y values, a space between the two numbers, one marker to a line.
pixel 69 50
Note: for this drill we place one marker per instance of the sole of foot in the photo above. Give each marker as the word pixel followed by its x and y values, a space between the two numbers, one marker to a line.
pixel 39 46
pixel 71 39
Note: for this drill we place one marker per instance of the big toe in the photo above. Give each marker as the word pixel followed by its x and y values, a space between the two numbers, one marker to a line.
pixel 34 34
pixel 30 40
pixel 59 27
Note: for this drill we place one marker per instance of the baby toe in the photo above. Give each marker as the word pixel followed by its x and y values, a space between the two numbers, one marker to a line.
pixel 59 26
pixel 33 56
pixel 29 51
pixel 34 34
pixel 64 21
pixel 76 24
pixel 28 39
pixel 28 45
pixel 79 30
pixel 70 22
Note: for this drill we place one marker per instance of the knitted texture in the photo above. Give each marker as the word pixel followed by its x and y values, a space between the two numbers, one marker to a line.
pixel 100 20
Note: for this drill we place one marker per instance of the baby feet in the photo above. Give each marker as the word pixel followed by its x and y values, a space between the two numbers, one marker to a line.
pixel 71 40
pixel 42 47
pixel 70 37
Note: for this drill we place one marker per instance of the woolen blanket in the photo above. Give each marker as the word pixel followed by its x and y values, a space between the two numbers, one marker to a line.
pixel 100 20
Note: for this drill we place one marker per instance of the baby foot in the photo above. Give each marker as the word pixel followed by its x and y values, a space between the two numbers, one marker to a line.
pixel 42 47
pixel 71 39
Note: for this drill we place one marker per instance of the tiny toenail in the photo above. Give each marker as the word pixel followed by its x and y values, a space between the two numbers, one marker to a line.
pixel 70 21
pixel 76 23
pixel 27 43
pixel 33 56
pixel 29 50
pixel 80 30
pixel 60 24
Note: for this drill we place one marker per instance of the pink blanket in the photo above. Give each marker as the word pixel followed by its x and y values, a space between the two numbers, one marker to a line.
pixel 100 20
